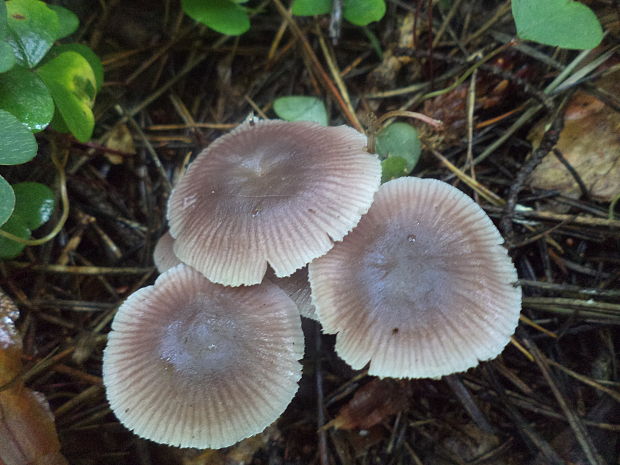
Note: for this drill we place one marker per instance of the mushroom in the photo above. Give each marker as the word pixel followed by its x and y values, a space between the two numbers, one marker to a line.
pixel 270 192
pixel 163 255
pixel 195 364
pixel 422 286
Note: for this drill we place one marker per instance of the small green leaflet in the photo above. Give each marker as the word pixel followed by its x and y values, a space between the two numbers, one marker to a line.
pixel 363 12
pixel 72 83
pixel 301 108
pixel 34 205
pixel 7 200
pixel 33 28
pixel 68 22
pixel 17 143
pixel 398 141
pixel 223 16
pixel 23 94
pixel 392 168
pixel 93 60
pixel 358 12
pixel 312 7
pixel 9 248
pixel 562 23
pixel 7 59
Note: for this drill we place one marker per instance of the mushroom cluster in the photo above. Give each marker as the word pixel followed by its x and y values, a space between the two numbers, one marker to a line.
pixel 193 361
pixel 410 275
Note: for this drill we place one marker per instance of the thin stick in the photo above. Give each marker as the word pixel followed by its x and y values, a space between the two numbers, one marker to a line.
pixel 150 150
pixel 585 380
pixel 84 270
pixel 471 104
pixel 331 87
pixel 335 72
pixel 172 127
pixel 583 438
pixel 323 457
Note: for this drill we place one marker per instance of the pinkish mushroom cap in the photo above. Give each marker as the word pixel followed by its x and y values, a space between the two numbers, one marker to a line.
pixel 195 364
pixel 421 287
pixel 163 255
pixel 270 192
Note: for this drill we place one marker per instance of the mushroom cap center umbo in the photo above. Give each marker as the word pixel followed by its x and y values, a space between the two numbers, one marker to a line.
pixel 261 178
pixel 412 270
pixel 208 338
pixel 263 171
pixel 256 180
pixel 202 341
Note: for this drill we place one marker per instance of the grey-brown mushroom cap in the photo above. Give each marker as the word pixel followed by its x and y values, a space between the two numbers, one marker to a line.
pixel 421 287
pixel 163 255
pixel 270 192
pixel 195 364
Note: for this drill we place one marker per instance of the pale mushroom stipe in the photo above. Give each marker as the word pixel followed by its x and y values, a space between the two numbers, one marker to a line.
pixel 163 255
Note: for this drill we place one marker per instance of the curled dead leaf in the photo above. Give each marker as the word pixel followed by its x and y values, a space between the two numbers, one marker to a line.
pixel 590 143
pixel 120 140
pixel 372 404
pixel 27 431
pixel 239 454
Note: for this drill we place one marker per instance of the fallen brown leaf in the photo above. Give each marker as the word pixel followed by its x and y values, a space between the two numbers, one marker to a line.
pixel 27 431
pixel 590 143
pixel 121 140
pixel 239 454
pixel 372 404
